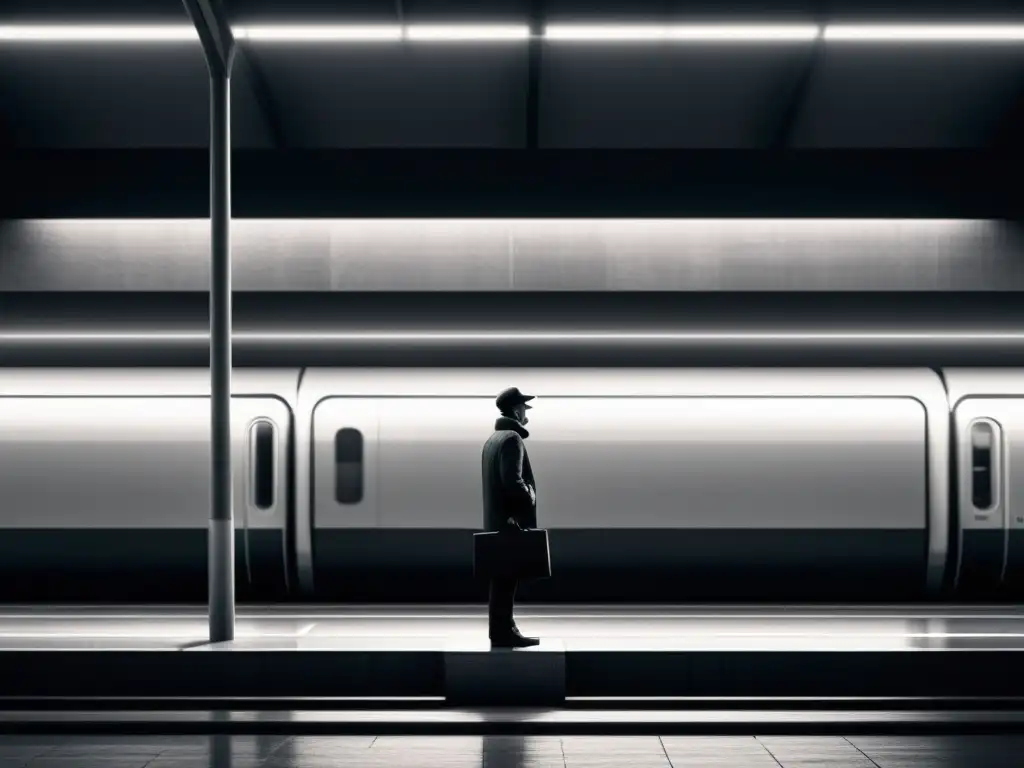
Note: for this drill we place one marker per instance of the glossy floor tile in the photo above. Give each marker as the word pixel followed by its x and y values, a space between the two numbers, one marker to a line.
pixel 512 752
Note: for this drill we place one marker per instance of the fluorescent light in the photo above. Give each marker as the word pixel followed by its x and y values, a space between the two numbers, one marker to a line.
pixel 130 33
pixel 319 33
pixel 371 33
pixel 287 33
pixel 605 32
pixel 514 337
pixel 97 34
pixel 765 32
pixel 466 32
pixel 905 33
pixel 682 32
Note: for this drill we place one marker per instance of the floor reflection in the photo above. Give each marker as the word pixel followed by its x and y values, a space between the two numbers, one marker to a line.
pixel 221 746
pixel 503 752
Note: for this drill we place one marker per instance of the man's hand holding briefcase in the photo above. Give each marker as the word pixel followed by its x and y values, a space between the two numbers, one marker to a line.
pixel 512 553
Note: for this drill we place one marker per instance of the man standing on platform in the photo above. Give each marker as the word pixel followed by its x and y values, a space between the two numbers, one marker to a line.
pixel 510 502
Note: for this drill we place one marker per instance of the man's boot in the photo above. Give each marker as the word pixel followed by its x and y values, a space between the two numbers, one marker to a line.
pixel 511 638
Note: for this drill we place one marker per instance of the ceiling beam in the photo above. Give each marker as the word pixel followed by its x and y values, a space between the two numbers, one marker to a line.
pixel 266 104
pixel 792 106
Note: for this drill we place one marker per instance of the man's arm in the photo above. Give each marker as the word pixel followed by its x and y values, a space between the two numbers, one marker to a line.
pixel 512 472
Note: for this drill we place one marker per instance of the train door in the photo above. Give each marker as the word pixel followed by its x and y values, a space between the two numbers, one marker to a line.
pixel 261 435
pixel 702 496
pixel 990 485
pixel 108 498
pixel 345 490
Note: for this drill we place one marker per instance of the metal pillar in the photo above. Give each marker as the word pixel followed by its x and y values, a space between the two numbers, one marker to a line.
pixel 219 48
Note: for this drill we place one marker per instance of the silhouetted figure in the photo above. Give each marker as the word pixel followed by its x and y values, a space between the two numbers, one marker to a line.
pixel 510 501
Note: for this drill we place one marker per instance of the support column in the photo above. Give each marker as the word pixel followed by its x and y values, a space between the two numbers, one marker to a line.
pixel 219 48
pixel 222 528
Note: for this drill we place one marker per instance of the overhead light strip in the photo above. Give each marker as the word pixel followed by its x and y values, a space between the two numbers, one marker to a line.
pixel 596 33
pixel 908 33
pixel 468 32
pixel 286 33
pixel 384 33
pixel 84 33
pixel 327 33
pixel 510 337
pixel 414 32
pixel 681 32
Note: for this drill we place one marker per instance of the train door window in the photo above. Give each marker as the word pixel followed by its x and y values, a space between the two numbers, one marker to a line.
pixel 348 466
pixel 261 437
pixel 982 443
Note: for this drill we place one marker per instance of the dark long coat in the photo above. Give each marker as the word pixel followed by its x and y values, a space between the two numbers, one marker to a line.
pixel 507 477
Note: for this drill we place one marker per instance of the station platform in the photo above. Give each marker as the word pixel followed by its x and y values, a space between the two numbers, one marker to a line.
pixel 676 664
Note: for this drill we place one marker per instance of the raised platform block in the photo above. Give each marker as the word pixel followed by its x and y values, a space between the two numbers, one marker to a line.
pixel 442 653
pixel 476 675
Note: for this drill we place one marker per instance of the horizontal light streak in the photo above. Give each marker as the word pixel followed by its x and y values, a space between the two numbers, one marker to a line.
pixel 466 32
pixel 804 225
pixel 383 33
pixel 754 698
pixel 687 620
pixel 140 635
pixel 327 33
pixel 506 336
pixel 86 33
pixel 284 33
pixel 795 616
pixel 599 632
pixel 694 33
pixel 432 699
pixel 681 32
pixel 905 33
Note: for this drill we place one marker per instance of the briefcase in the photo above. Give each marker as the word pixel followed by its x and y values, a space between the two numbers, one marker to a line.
pixel 512 554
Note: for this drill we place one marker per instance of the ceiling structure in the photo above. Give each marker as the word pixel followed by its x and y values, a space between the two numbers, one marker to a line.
pixel 795 93
pixel 679 100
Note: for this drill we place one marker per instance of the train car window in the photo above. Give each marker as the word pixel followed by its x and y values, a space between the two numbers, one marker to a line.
pixel 263 465
pixel 981 465
pixel 348 466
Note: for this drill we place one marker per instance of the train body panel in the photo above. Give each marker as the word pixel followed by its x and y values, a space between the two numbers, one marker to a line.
pixel 106 481
pixel 144 382
pixel 656 483
pixel 137 462
pixel 730 483
pixel 632 462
